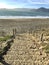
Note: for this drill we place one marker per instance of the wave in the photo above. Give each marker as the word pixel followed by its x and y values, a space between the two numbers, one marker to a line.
pixel 17 17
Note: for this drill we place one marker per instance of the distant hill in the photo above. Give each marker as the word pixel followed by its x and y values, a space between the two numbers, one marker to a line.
pixel 42 9
pixel 26 9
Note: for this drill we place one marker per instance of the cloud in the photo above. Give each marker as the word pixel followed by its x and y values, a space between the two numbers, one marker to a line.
pixel 10 4
pixel 38 2
pixel 5 5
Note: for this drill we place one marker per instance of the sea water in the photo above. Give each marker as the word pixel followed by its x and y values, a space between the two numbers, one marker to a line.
pixel 23 14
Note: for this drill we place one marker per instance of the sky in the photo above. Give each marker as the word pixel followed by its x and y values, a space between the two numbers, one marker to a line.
pixel 10 4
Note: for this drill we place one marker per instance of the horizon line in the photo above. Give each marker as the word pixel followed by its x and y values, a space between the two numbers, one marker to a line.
pixel 24 8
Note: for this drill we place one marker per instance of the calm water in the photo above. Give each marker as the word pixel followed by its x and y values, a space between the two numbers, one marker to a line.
pixel 23 13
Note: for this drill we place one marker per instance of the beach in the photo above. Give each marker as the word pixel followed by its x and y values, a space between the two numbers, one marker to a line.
pixel 23 25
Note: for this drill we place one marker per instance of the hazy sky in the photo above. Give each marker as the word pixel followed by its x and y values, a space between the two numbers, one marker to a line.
pixel 24 3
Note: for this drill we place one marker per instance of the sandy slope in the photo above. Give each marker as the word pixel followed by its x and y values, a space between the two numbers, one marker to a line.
pixel 26 51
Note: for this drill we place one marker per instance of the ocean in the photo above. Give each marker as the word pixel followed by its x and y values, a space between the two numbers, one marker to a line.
pixel 23 14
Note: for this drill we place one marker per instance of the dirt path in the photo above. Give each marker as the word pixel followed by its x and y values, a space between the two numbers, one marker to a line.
pixel 25 51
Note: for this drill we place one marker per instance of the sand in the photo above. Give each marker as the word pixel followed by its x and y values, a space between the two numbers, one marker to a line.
pixel 23 25
pixel 27 48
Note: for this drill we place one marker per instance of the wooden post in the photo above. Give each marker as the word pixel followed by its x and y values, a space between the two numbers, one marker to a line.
pixel 13 33
pixel 42 37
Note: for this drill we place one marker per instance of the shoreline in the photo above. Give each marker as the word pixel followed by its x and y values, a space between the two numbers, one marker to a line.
pixel 24 17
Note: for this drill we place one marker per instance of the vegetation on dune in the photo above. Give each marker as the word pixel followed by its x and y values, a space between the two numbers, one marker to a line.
pixel 4 49
pixel 5 38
